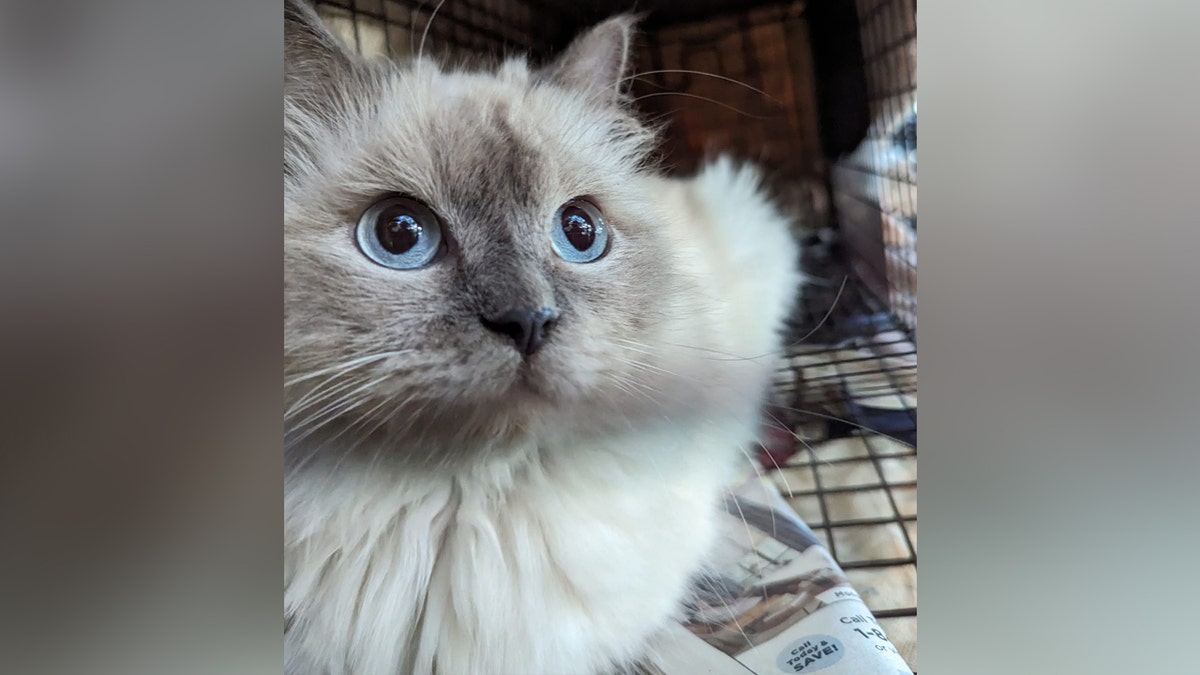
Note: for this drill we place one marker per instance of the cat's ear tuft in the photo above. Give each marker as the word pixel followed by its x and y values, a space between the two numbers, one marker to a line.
pixel 597 61
pixel 313 57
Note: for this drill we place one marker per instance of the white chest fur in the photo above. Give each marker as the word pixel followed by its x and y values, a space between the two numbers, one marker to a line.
pixel 566 561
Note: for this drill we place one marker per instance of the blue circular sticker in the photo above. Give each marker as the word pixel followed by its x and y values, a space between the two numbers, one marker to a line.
pixel 810 654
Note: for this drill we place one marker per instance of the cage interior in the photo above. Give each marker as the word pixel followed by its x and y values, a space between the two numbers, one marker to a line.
pixel 822 94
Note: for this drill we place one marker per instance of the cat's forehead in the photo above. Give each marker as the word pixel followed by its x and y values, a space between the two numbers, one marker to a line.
pixel 459 104
pixel 472 139
pixel 473 145
pixel 465 141
pixel 470 89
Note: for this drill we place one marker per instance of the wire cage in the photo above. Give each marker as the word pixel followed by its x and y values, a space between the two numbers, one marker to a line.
pixel 822 94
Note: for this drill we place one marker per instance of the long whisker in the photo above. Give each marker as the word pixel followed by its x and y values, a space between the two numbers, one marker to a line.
pixel 363 418
pixel 633 387
pixel 424 33
pixel 757 472
pixel 778 352
pixel 361 384
pixel 786 486
pixel 853 424
pixel 828 313
pixel 342 405
pixel 298 466
pixel 811 451
pixel 699 72
pixel 725 603
pixel 322 422
pixel 627 341
pixel 750 544
pixel 321 393
pixel 649 367
pixel 346 365
pixel 705 98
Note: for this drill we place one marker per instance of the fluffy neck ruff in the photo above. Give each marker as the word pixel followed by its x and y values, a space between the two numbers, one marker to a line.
pixel 460 573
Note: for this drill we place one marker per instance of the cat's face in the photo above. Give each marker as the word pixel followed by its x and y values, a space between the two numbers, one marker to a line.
pixel 434 220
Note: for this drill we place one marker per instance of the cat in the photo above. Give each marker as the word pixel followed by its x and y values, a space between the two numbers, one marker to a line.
pixel 520 365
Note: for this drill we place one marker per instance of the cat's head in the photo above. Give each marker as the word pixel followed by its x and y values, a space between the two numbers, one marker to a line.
pixel 468 255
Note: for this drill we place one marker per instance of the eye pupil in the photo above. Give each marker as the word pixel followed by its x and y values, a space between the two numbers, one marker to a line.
pixel 580 235
pixel 579 228
pixel 398 233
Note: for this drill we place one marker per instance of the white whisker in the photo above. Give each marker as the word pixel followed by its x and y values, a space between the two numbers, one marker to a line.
pixel 343 366
pixel 700 72
pixel 758 472
pixel 705 98
pixel 846 421
pixel 363 384
pixel 777 352
pixel 332 411
pixel 779 469
pixel 322 393
pixel 424 33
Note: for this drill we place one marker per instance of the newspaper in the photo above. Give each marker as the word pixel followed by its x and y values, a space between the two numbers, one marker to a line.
pixel 774 601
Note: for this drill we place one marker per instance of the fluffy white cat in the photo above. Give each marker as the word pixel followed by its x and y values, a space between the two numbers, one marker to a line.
pixel 520 366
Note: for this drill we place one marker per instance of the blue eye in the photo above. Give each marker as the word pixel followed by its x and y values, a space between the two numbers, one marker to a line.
pixel 579 234
pixel 399 233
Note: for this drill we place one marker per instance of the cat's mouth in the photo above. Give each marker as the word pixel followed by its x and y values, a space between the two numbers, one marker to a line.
pixel 529 381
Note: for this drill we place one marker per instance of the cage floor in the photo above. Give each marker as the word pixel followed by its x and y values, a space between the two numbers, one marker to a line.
pixel 847 390
pixel 859 496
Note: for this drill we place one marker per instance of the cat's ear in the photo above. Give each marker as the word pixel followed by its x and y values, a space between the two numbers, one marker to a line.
pixel 313 58
pixel 597 61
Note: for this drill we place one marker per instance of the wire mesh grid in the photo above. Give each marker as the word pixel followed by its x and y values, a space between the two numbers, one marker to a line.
pixel 859 497
pixel 847 385
pixel 848 355
pixel 455 29
pixel 738 82
pixel 846 392
pixel 875 188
